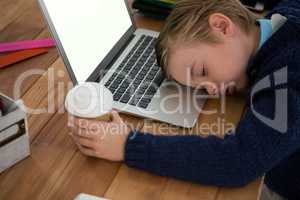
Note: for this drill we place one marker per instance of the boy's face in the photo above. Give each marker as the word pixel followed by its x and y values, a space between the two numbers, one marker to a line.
pixel 218 67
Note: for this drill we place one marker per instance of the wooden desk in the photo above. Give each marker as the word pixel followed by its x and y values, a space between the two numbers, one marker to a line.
pixel 56 169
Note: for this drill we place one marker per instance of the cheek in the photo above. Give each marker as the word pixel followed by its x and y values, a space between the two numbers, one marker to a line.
pixel 222 69
pixel 230 65
pixel 241 54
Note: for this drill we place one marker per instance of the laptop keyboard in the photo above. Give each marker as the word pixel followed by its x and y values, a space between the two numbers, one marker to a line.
pixel 138 77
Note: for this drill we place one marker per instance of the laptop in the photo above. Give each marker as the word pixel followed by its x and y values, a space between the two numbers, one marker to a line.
pixel 99 42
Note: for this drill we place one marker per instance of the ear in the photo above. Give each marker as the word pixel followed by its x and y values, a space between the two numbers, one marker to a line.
pixel 221 24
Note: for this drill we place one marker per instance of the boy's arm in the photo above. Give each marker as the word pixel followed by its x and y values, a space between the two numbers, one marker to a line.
pixel 233 161
pixel 269 4
pixel 287 8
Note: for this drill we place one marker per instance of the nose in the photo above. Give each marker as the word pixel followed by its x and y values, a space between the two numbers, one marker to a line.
pixel 222 89
pixel 212 89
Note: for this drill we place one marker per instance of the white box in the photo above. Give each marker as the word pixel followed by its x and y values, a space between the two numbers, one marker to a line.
pixel 14 139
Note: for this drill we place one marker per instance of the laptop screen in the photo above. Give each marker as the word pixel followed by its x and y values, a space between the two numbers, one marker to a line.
pixel 88 30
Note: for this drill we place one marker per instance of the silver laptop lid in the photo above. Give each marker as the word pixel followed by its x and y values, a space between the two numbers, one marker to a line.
pixel 89 34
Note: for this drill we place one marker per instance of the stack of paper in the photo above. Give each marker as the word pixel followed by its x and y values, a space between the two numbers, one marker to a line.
pixel 155 8
pixel 88 197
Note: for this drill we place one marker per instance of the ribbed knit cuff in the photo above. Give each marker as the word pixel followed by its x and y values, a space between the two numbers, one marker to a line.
pixel 136 150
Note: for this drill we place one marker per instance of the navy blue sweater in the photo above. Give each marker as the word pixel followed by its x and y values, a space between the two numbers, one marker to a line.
pixel 256 148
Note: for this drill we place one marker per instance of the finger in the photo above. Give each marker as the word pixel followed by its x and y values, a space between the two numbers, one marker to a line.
pixel 93 125
pixel 116 116
pixel 83 133
pixel 86 151
pixel 231 90
pixel 92 134
pixel 81 123
pixel 84 141
pixel 85 123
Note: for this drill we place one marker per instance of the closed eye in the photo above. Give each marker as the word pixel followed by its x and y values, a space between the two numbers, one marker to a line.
pixel 204 71
pixel 201 72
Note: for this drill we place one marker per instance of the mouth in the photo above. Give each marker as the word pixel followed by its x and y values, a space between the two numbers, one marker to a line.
pixel 230 90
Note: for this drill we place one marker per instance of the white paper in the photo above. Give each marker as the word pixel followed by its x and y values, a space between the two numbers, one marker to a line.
pixel 88 197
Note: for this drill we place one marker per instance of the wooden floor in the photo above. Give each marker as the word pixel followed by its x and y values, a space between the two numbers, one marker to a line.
pixel 56 169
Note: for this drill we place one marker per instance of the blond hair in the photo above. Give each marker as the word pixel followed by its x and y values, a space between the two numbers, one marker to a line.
pixel 188 22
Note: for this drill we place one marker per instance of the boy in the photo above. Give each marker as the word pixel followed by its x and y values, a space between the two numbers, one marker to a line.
pixel 211 44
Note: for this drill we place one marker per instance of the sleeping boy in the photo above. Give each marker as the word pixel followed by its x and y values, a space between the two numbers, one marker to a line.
pixel 217 42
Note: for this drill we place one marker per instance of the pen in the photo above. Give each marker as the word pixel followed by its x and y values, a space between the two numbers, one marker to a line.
pixel 19 56
pixel 24 45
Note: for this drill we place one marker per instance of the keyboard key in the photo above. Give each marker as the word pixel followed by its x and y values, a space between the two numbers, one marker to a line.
pixel 133 103
pixel 112 90
pixel 107 83
pixel 117 96
pixel 143 59
pixel 135 99
pixel 142 90
pixel 152 59
pixel 139 51
pixel 136 83
pixel 149 77
pixel 144 86
pixel 126 70
pixel 125 84
pixel 142 73
pixel 151 91
pixel 140 76
pixel 135 70
pixel 152 72
pixel 113 86
pixel 125 98
pixel 121 90
pixel 118 81
pixel 131 62
pixel 147 66
pixel 143 103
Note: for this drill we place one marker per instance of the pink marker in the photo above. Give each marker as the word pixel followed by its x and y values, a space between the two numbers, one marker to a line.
pixel 24 45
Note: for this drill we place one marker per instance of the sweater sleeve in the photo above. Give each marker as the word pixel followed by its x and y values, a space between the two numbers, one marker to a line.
pixel 287 8
pixel 233 161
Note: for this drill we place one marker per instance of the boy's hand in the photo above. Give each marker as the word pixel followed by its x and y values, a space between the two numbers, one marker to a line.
pixel 101 139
